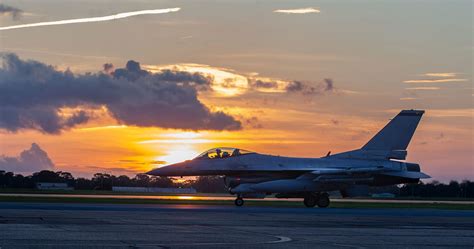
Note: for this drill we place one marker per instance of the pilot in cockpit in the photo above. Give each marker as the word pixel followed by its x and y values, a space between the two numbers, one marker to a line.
pixel 225 154
pixel 236 152
pixel 218 151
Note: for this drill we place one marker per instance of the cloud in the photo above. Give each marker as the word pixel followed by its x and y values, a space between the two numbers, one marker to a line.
pixel 108 68
pixel 93 19
pixel 258 83
pixel 295 86
pixel 33 95
pixel 310 88
pixel 15 13
pixel 437 78
pixel 269 85
pixel 440 75
pixel 298 11
pixel 435 81
pixel 31 160
pixel 225 82
pixel 329 85
pixel 423 88
pixel 253 122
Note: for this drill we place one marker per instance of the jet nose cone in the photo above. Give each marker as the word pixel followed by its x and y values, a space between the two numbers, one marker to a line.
pixel 169 170
pixel 161 171
pixel 151 172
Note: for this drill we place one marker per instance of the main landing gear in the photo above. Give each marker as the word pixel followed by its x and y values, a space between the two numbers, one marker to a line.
pixel 313 199
pixel 239 201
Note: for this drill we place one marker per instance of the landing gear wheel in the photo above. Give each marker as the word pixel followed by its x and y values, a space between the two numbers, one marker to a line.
pixel 239 201
pixel 310 200
pixel 323 200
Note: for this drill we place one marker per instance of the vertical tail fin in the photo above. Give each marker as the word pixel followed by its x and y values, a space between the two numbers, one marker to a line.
pixel 392 141
pixel 396 135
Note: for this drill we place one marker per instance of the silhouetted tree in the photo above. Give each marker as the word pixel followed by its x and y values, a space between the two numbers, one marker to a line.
pixel 160 182
pixel 84 184
pixel 209 184
pixel 102 181
pixel 122 181
pixel 46 176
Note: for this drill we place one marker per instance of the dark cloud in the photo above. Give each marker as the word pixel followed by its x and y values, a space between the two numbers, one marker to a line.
pixel 253 122
pixel 329 85
pixel 32 95
pixel 309 88
pixel 31 160
pixel 77 118
pixel 15 13
pixel 262 84
pixel 108 68
pixel 295 86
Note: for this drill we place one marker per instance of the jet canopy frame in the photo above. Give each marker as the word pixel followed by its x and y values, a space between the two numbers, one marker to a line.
pixel 223 152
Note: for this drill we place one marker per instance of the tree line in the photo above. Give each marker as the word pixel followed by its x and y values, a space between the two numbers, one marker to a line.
pixel 211 184
pixel 104 181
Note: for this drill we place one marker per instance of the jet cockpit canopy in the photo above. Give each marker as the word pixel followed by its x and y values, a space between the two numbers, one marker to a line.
pixel 222 152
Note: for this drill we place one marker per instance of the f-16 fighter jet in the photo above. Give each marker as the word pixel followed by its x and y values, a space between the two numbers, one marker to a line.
pixel 252 175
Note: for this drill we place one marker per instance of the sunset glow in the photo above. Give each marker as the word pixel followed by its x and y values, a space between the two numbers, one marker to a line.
pixel 178 153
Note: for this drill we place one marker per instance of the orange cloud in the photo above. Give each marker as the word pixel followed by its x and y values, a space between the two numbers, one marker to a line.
pixel 435 81
pixel 423 88
pixel 298 11
pixel 440 75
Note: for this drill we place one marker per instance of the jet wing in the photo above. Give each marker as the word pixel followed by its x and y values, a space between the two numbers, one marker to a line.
pixel 341 175
pixel 333 171
pixel 338 174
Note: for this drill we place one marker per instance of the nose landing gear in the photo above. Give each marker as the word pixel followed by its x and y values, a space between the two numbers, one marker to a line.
pixel 313 199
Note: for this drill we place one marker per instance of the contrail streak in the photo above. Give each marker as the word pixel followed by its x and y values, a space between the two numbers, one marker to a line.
pixel 93 19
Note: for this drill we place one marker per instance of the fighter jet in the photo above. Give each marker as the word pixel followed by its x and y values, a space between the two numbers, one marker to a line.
pixel 252 175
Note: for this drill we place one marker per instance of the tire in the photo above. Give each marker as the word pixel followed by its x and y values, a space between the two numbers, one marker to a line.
pixel 323 200
pixel 310 201
pixel 239 202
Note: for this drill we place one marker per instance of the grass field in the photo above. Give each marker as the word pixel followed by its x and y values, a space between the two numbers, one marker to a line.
pixel 261 203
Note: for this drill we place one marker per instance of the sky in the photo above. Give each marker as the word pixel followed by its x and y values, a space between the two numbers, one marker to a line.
pixel 124 86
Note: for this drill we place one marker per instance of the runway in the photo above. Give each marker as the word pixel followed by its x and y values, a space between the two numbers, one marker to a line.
pixel 53 225
pixel 226 198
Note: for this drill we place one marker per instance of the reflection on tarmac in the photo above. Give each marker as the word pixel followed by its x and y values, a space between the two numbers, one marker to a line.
pixel 224 198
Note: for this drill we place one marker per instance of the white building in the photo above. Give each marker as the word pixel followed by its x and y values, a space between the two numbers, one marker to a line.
pixel 155 190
